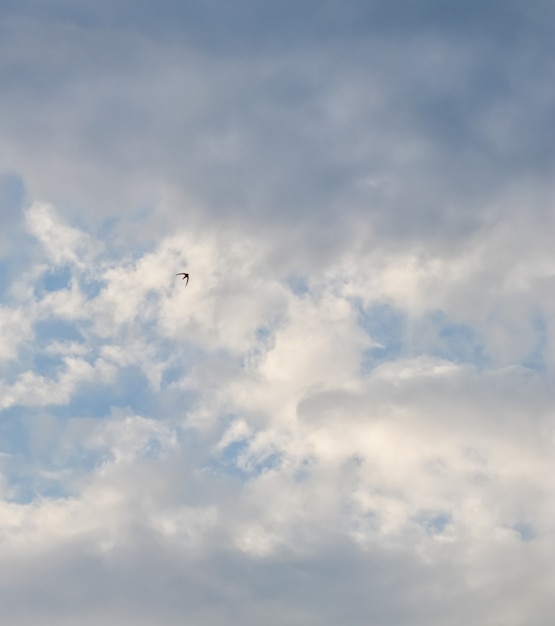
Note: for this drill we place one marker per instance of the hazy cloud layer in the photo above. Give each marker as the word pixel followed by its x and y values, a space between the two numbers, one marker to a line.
pixel 347 415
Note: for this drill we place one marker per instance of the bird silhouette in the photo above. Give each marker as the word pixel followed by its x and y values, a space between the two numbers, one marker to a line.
pixel 185 276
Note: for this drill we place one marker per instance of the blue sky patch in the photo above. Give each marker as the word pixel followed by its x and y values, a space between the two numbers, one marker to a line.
pixel 129 389
pixel 536 359
pixel 461 344
pixel 298 285
pixel 234 460
pixel 55 280
pixel 386 326
pixel 91 287
pixel 13 432
pixel 435 334
pixel 525 531
pixel 46 364
pixel 433 523
pixel 56 330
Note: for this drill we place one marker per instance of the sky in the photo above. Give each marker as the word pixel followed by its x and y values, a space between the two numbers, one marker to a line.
pixel 347 416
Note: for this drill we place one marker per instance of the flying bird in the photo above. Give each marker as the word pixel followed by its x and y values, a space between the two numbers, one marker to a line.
pixel 185 276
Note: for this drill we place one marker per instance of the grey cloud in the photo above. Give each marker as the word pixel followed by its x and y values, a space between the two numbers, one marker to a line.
pixel 13 244
pixel 313 20
pixel 342 583
pixel 437 120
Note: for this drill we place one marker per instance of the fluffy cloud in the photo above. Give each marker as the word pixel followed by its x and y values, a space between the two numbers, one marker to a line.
pixel 271 427
pixel 347 414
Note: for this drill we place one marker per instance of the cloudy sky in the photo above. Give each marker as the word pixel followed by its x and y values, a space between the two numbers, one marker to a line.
pixel 348 415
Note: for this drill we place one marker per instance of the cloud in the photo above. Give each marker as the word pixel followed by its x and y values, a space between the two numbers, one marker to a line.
pixel 347 414
pixel 302 126
pixel 63 244
pixel 261 431
pixel 298 446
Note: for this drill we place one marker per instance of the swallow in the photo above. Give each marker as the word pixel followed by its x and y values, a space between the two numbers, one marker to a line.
pixel 185 276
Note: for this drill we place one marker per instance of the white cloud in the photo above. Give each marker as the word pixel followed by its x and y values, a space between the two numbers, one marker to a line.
pixel 347 415
pixel 62 243
pixel 298 444
pixel 16 328
pixel 32 389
